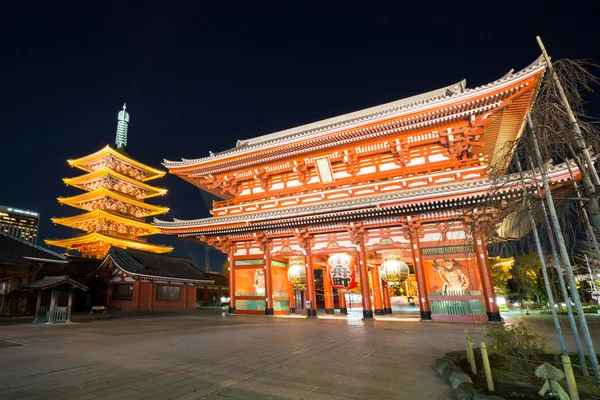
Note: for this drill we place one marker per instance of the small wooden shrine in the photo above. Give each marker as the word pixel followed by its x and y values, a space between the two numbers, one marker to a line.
pixel 59 304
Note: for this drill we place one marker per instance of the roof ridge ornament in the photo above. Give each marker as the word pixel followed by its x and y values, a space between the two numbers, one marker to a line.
pixel 122 126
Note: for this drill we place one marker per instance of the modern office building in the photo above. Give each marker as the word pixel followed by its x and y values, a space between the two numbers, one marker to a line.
pixel 20 223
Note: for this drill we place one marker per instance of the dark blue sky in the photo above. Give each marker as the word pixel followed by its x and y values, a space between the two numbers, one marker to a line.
pixel 197 77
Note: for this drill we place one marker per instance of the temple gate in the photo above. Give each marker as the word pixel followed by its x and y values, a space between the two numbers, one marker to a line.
pixel 407 180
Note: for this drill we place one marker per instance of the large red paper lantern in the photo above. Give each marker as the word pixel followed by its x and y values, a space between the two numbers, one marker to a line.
pixel 341 271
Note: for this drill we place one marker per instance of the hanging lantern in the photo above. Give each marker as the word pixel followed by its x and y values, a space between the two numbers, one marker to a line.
pixel 341 271
pixel 297 273
pixel 394 271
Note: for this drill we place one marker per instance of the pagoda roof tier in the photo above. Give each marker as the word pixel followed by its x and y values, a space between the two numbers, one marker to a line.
pixel 440 199
pixel 83 221
pixel 117 161
pixel 511 95
pixel 105 241
pixel 110 200
pixel 109 179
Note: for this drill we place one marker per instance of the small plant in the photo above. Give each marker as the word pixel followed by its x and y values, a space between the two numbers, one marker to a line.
pixel 577 362
pixel 550 395
pixel 516 340
pixel 551 388
pixel 499 375
pixel 591 309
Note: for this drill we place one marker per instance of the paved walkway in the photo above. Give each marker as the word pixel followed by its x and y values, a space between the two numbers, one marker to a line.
pixel 207 354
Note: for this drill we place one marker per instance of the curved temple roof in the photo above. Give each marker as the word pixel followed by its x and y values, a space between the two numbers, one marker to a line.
pixel 438 98
pixel 161 266
pixel 98 215
pixel 78 181
pixel 410 200
pixel 84 162
pixel 72 243
pixel 99 193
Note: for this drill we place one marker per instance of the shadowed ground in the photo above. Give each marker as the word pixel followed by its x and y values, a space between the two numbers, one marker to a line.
pixel 207 354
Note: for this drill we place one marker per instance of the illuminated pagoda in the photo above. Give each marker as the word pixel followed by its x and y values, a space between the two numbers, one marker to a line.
pixel 389 192
pixel 115 188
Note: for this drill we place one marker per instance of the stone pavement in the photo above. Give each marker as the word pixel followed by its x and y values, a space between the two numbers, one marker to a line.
pixel 208 355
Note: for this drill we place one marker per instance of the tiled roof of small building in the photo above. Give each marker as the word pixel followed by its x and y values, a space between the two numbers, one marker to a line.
pixel 219 279
pixel 156 265
pixel 13 250
pixel 77 267
pixel 53 281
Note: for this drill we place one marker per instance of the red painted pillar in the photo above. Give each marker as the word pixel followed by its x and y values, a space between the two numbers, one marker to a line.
pixel 364 280
pixel 387 303
pixel 192 293
pixel 485 275
pixel 328 294
pixel 231 280
pixel 137 289
pixel 417 255
pixel 269 310
pixel 377 295
pixel 292 297
pixel 310 284
pixel 342 300
pixel 152 295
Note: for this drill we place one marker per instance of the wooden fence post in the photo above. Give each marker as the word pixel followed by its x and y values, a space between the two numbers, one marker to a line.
pixel 486 367
pixel 571 384
pixel 470 354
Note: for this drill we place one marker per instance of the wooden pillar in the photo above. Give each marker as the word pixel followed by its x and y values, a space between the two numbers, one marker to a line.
pixel 137 290
pixel 328 293
pixel 269 306
pixel 38 304
pixel 192 296
pixel 51 310
pixel 151 295
pixel 364 279
pixel 417 255
pixel 109 290
pixel 485 275
pixel 311 294
pixel 69 306
pixel 377 295
pixel 33 273
pixel 387 303
pixel 231 280
pixel 342 301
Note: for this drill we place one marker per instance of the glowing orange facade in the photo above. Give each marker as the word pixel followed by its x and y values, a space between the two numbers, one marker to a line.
pixel 115 187
pixel 400 179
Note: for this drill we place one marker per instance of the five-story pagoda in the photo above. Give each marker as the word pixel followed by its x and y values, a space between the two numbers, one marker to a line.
pixel 114 200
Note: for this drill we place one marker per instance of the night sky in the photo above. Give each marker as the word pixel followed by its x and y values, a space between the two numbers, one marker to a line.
pixel 197 77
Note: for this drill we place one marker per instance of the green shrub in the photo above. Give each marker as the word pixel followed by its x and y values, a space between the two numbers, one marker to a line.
pixel 498 375
pixel 516 340
pixel 591 309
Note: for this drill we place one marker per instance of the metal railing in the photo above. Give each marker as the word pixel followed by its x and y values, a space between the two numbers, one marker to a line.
pixel 457 307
